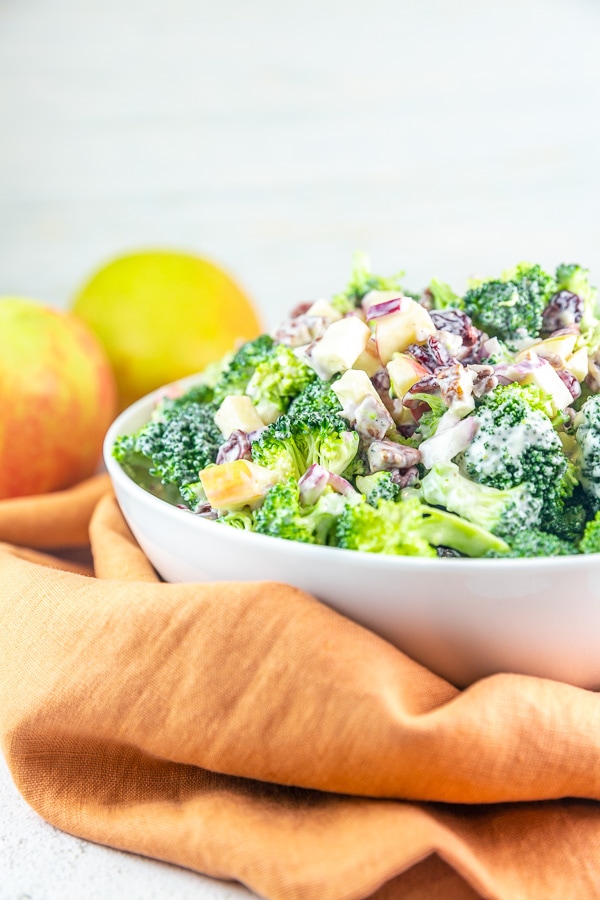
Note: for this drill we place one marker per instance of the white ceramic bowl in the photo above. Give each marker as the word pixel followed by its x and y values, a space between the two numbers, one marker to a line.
pixel 463 618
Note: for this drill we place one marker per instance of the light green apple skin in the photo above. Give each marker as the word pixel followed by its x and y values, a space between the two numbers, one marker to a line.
pixel 57 399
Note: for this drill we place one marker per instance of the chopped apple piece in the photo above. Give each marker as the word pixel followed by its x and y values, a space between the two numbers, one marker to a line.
pixel 404 371
pixel 369 360
pixel 361 404
pixel 410 324
pixel 237 412
pixel 562 346
pixel 324 309
pixel 339 348
pixel 352 388
pixel 577 364
pixel 236 484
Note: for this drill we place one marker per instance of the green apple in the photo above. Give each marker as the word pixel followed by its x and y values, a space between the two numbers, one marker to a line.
pixel 161 315
pixel 57 396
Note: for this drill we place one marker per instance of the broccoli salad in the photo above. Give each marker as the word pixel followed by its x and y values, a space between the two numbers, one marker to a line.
pixel 381 420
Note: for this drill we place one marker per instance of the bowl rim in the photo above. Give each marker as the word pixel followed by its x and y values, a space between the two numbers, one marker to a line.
pixel 463 564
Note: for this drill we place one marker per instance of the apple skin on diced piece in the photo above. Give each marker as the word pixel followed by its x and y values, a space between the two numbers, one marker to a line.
pixel 339 348
pixel 369 361
pixel 235 484
pixel 409 324
pixel 380 303
pixel 404 371
pixel 562 346
pixel 237 413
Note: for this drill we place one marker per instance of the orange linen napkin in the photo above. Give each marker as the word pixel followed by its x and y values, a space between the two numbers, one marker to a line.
pixel 249 732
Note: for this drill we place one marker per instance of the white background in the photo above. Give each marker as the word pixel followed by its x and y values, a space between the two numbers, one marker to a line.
pixel 443 138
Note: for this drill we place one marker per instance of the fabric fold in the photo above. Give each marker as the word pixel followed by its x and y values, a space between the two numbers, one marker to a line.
pixel 248 731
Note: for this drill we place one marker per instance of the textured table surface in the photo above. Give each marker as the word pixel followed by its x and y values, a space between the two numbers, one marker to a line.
pixel 444 138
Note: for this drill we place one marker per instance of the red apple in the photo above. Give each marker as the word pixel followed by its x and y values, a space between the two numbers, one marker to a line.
pixel 57 398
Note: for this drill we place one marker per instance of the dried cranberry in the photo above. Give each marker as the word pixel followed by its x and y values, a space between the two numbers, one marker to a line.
pixel 300 309
pixel 564 309
pixel 405 478
pixel 426 299
pixel 432 354
pixel 206 511
pixel 456 322
pixel 484 379
pixel 237 446
pixel 447 552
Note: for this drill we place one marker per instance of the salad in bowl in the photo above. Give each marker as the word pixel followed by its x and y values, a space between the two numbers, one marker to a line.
pixel 395 423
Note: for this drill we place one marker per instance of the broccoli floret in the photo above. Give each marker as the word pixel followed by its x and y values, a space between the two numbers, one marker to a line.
pixel 241 367
pixel 590 542
pixel 409 528
pixel 532 278
pixel 442 295
pixel 536 543
pixel 239 518
pixel 171 449
pixel 268 372
pixel 276 449
pixel 292 444
pixel 511 307
pixel 430 419
pixel 575 279
pixel 319 407
pixel 378 486
pixel 282 515
pixel 515 444
pixel 587 456
pixel 566 520
pixel 317 399
pixel 564 512
pixel 499 511
pixel 277 380
pixel 361 282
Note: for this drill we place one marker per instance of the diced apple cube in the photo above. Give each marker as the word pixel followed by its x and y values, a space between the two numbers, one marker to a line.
pixel 577 364
pixel 369 360
pixel 324 309
pixel 340 347
pixel 404 371
pixel 352 388
pixel 236 484
pixel 411 324
pixel 361 404
pixel 237 413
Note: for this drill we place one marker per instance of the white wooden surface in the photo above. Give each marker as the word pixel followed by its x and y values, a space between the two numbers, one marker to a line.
pixel 444 137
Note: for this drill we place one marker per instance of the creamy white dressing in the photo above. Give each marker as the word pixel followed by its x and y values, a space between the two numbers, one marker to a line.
pixel 490 448
pixel 588 442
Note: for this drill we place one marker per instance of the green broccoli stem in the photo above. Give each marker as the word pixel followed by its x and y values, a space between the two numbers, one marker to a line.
pixel 447 530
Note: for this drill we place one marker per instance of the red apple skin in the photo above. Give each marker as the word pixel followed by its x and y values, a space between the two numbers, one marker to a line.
pixel 57 398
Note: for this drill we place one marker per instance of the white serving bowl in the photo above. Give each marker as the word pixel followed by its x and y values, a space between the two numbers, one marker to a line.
pixel 463 618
